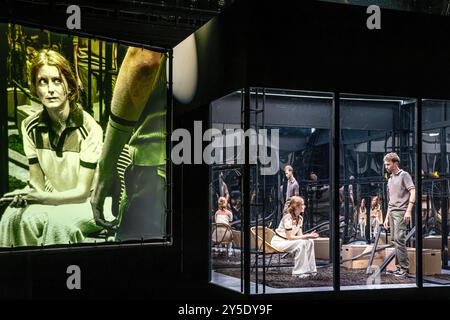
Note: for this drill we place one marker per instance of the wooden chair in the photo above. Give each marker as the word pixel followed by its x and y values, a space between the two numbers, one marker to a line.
pixel 263 244
pixel 222 235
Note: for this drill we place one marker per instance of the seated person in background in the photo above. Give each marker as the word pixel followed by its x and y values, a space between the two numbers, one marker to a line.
pixel 222 234
pixel 290 238
pixel 376 215
pixel 223 215
pixel 63 144
pixel 362 217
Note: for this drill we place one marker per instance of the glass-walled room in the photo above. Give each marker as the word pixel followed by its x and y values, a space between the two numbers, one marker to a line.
pixel 289 134
pixel 371 129
pixel 435 191
pixel 290 199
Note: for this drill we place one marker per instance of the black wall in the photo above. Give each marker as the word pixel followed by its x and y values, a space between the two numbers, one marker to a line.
pixel 314 45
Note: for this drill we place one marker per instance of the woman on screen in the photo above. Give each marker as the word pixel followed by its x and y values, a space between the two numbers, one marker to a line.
pixel 62 143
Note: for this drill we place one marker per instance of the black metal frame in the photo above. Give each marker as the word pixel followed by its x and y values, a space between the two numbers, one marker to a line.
pixel 418 182
pixel 335 175
pixel 335 141
pixel 4 172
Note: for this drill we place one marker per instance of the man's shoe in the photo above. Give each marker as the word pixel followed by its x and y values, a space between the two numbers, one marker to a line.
pixel 392 272
pixel 401 273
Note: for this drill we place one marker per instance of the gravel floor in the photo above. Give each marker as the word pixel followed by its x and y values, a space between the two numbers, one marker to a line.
pixel 281 277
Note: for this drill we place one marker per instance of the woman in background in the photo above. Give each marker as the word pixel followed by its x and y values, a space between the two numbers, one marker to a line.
pixel 222 233
pixel 376 215
pixel 362 218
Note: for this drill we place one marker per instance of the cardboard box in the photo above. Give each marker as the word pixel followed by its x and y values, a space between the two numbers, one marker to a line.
pixel 322 248
pixel 237 240
pixel 383 239
pixel 431 262
pixel 433 242
pixel 350 251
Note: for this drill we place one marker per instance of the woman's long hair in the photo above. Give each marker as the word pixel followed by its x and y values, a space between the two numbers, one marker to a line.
pixel 52 58
pixel 294 202
pixel 377 205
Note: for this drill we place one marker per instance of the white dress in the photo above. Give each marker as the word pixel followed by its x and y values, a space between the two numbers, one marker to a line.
pixel 303 249
pixel 38 224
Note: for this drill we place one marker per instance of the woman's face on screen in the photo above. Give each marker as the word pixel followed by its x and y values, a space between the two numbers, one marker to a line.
pixel 51 87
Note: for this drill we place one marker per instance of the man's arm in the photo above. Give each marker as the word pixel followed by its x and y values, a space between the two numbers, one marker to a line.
pixel 133 88
pixel 412 200
pixel 75 62
pixel 386 220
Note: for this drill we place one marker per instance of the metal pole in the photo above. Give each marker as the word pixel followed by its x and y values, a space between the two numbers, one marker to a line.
pixel 254 203
pixel 346 193
pixel 368 225
pixel 3 109
pixel 334 169
pixel 109 70
pixel 444 207
pixel 264 188
pixel 418 205
pixel 100 83
pixel 169 168
pixel 246 193
pixel 243 252
pixel 89 88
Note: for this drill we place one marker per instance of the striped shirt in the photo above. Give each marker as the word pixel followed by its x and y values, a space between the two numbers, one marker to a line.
pixel 60 157
pixel 224 216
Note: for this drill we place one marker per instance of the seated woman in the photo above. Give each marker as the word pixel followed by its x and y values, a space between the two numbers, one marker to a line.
pixel 290 238
pixel 62 144
pixel 376 215
pixel 362 218
pixel 223 235
pixel 223 215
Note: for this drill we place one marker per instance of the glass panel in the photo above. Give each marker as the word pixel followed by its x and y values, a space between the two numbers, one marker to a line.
pixel 226 253
pixel 301 120
pixel 435 190
pixel 372 127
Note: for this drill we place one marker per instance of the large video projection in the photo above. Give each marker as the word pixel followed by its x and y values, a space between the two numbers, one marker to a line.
pixel 86 142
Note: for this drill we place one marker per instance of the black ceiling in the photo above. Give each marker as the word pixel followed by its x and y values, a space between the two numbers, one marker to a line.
pixel 161 24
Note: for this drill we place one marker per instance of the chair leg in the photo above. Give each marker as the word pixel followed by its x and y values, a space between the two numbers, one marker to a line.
pixel 270 261
pixel 279 261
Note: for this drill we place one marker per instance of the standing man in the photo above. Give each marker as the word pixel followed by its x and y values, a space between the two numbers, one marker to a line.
pixel 401 197
pixel 292 188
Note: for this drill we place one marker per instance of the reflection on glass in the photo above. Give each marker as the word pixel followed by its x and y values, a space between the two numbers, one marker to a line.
pixel 372 127
pixel 435 190
pixel 226 207
pixel 291 246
